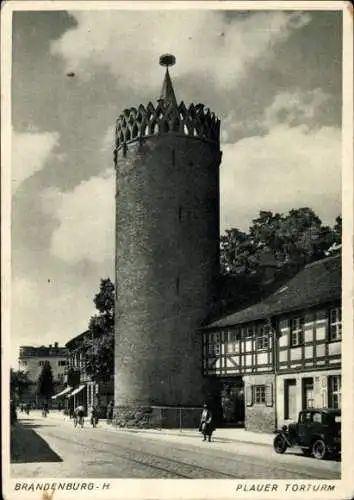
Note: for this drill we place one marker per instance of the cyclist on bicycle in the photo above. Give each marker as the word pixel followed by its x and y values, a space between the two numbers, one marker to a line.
pixel 79 415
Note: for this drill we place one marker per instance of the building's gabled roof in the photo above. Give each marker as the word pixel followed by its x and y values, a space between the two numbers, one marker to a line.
pixel 78 340
pixel 317 283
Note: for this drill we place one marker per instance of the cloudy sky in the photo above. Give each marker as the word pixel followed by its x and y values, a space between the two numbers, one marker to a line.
pixel 273 78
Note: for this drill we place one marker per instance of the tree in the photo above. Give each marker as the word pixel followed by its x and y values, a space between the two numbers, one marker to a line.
pixel 45 387
pixel 297 237
pixel 235 250
pixel 19 382
pixel 100 344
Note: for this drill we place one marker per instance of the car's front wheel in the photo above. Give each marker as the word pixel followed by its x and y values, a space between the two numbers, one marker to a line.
pixel 279 444
pixel 319 449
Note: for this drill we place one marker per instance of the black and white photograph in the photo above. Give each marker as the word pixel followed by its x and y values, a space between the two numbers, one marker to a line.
pixel 177 266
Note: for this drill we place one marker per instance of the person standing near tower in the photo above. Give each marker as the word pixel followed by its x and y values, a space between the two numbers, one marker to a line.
pixel 206 423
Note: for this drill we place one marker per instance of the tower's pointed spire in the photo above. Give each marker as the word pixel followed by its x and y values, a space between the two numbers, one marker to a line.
pixel 167 96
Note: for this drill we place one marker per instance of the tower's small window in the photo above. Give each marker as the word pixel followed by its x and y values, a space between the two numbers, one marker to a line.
pixel 175 126
pixel 180 214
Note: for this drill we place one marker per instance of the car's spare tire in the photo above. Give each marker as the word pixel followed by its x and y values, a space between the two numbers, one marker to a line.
pixel 319 449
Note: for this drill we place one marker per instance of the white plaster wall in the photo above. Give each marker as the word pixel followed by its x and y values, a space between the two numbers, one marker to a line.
pixel 320 380
pixel 334 348
pixel 295 353
pixel 320 350
pixel 283 356
pixel 33 369
pixel 309 351
pixel 262 358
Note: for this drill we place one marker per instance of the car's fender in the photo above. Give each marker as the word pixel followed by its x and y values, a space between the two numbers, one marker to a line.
pixel 284 435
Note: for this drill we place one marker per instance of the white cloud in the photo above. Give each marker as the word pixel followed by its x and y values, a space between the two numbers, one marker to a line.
pixel 30 153
pixel 50 200
pixel 295 108
pixel 287 160
pixel 292 108
pixel 290 167
pixel 85 220
pixel 201 40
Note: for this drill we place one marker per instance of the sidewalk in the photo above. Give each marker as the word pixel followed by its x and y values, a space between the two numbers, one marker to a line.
pixel 220 435
pixel 26 446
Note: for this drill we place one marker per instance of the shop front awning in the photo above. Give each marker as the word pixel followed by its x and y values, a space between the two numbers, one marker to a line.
pixel 76 391
pixel 62 393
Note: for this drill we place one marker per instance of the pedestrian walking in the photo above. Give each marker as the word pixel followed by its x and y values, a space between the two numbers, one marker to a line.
pixel 79 413
pixel 45 410
pixel 206 426
pixel 94 416
pixel 110 412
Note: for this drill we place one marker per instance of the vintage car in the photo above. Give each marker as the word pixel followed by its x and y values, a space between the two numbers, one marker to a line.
pixel 317 432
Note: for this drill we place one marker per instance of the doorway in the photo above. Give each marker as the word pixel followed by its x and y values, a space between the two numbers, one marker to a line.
pixel 307 393
pixel 232 402
pixel 290 403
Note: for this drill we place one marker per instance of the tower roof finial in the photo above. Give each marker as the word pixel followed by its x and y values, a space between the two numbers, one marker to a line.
pixel 167 60
pixel 167 96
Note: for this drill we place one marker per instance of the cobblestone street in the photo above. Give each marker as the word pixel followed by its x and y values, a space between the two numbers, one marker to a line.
pixel 52 447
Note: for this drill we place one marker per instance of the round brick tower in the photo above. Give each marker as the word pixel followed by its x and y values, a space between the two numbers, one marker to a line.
pixel 167 161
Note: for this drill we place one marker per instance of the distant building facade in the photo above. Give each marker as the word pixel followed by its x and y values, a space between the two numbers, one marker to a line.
pixel 31 361
pixel 283 353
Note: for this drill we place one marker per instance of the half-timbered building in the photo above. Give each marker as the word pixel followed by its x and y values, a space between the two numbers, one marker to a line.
pixel 282 353
pixel 308 343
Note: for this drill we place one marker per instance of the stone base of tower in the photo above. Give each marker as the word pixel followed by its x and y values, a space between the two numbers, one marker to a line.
pixel 157 417
pixel 133 416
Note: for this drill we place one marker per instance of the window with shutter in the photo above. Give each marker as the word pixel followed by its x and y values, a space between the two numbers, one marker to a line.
pixel 259 394
pixel 297 331
pixel 269 394
pixel 249 395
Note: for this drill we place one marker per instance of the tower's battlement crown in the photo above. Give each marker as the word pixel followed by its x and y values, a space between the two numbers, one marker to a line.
pixel 167 116
pixel 194 121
